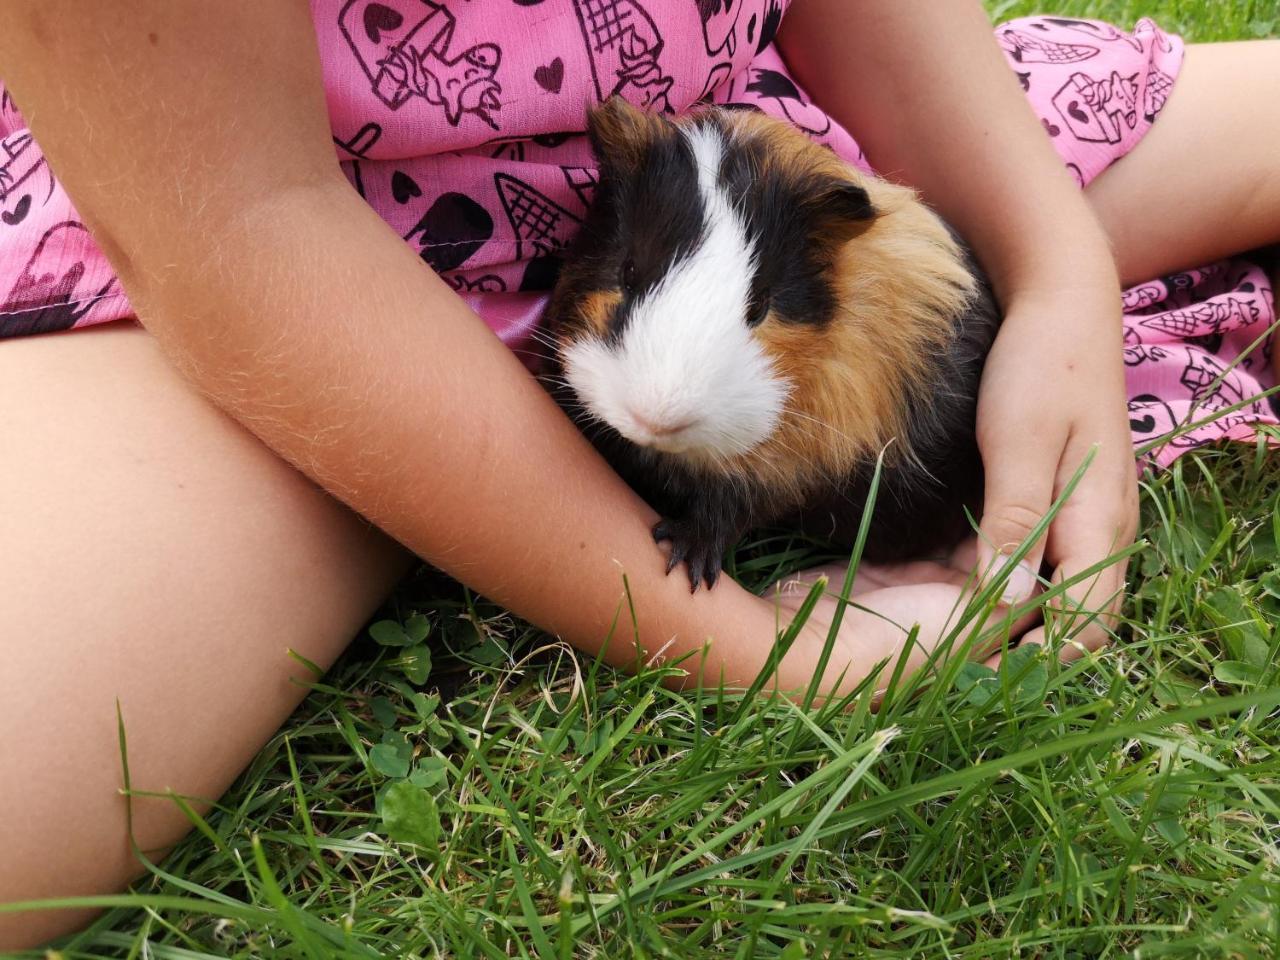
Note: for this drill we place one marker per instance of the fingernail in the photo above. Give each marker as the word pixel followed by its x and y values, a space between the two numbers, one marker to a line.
pixel 1021 582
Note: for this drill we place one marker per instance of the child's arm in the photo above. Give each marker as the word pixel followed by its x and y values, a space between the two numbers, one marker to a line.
pixel 924 88
pixel 194 140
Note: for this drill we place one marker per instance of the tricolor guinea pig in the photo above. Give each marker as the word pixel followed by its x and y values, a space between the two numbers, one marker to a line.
pixel 745 322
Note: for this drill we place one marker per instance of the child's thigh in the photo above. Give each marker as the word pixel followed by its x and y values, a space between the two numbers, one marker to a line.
pixel 1205 180
pixel 154 554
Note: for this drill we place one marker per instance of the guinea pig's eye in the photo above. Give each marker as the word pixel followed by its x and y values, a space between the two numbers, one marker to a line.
pixel 629 276
pixel 757 311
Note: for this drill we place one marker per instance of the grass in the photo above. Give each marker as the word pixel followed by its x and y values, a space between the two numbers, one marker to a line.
pixel 1199 21
pixel 512 799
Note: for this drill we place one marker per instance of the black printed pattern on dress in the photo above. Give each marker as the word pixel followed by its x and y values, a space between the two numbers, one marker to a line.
pixel 624 49
pixel 550 76
pixel 1211 316
pixel 489 283
pixel 768 28
pixel 1156 93
pixel 1026 48
pixel 1210 385
pixel 1150 416
pixel 1098 111
pixel 451 231
pixel 514 148
pixel 47 295
pixel 535 218
pixel 719 39
pixel 25 180
pixel 719 26
pixel 1094 30
pixel 801 113
pixel 361 142
pixel 403 47
pixel 723 23
pixel 583 181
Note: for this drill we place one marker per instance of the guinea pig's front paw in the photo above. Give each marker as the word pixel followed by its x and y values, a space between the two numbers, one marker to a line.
pixel 700 550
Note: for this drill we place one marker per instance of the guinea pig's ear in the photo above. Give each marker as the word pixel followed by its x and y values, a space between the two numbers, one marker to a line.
pixel 851 202
pixel 842 210
pixel 620 134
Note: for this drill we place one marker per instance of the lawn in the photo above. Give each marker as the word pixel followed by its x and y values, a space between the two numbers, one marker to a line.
pixel 460 785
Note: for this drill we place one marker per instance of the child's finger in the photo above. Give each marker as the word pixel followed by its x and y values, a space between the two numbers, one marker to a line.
pixel 1022 630
pixel 1082 618
pixel 1019 491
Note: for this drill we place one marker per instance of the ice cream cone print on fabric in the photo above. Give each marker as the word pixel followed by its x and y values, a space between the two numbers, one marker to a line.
pixel 583 182
pixel 540 224
pixel 624 48
pixel 1023 46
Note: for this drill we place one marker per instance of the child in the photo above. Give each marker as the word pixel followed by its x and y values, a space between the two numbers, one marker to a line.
pixel 182 496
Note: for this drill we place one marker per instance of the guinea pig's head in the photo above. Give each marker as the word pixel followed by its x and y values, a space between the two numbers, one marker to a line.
pixel 711 244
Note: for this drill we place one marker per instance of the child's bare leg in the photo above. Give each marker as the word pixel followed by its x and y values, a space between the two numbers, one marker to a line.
pixel 154 552
pixel 1205 180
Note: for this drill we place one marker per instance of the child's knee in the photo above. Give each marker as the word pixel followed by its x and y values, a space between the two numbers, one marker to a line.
pixel 53 849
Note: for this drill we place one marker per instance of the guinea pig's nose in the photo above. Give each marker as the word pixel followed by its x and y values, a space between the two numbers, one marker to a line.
pixel 661 426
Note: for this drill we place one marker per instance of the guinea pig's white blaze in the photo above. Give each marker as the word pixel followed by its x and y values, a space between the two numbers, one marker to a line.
pixel 687 375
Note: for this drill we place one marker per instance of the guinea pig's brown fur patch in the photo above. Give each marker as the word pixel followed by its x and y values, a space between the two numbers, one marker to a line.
pixel 595 310
pixel 900 280
pixel 621 135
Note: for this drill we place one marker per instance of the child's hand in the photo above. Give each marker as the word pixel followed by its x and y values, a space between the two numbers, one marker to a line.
pixel 1051 390
pixel 888 600
pixel 1053 387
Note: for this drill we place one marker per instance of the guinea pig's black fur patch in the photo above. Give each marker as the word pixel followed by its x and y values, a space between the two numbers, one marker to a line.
pixel 795 220
pixel 647 213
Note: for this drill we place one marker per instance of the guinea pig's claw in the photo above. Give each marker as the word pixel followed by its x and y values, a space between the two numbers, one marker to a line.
pixel 711 571
pixel 701 558
pixel 665 530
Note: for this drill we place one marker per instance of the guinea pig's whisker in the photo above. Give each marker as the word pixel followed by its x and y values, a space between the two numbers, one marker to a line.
pixel 927 474
pixel 801 425
pixel 757 456
pixel 825 425
pixel 545 338
pixel 543 350
pixel 538 341
pixel 534 355
pixel 909 454
pixel 582 412
pixel 826 431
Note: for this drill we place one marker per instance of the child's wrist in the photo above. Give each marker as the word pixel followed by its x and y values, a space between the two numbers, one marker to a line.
pixel 1071 259
pixel 1083 309
pixel 727 637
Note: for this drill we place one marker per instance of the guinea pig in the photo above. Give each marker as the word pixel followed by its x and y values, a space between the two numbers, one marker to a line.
pixel 746 322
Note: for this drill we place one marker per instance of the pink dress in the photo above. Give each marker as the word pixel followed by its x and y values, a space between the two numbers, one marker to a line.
pixel 460 124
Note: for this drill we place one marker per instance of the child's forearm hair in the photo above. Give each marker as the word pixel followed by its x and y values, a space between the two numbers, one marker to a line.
pixel 934 105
